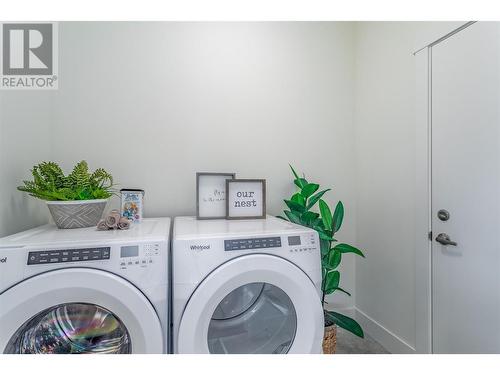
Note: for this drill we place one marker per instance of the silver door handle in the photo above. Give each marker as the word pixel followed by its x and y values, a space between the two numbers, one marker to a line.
pixel 444 239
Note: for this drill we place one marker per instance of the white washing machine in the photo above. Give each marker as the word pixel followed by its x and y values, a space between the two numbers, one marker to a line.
pixel 250 286
pixel 85 291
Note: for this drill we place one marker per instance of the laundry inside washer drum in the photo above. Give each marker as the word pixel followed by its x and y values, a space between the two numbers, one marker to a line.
pixel 72 328
pixel 254 318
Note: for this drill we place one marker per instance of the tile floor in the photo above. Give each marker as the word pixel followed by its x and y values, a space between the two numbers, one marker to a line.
pixel 347 343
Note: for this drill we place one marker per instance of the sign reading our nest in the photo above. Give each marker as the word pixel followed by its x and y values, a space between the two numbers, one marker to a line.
pixel 246 199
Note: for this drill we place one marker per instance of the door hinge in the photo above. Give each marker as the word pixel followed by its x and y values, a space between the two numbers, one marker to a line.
pixel 429 235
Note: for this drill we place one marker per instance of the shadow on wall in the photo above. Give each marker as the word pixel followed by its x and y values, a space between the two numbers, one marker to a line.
pixel 22 212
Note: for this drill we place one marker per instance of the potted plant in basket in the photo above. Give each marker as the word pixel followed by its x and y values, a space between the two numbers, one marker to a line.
pixel 301 206
pixel 76 200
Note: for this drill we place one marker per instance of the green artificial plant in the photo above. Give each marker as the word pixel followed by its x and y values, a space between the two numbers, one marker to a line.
pixel 301 211
pixel 50 183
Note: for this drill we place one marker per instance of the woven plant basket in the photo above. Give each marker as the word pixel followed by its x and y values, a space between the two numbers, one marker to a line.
pixel 330 339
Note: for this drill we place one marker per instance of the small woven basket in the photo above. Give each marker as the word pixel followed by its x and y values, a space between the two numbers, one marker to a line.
pixel 330 339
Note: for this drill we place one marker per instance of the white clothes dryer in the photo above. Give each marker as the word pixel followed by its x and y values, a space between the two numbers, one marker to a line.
pixel 246 286
pixel 85 291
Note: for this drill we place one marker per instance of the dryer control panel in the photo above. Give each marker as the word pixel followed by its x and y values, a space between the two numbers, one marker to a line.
pixel 293 243
pixel 252 243
pixel 138 255
pixel 303 243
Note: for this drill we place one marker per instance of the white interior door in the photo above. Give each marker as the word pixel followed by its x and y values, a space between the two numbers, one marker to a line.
pixel 466 183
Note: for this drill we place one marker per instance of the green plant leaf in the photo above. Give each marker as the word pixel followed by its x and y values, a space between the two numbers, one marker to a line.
pixel 294 206
pixel 309 217
pixel 300 182
pixel 101 179
pixel 324 246
pixel 334 258
pixel 79 178
pixel 324 270
pixel 317 222
pixel 326 214
pixel 345 322
pixel 332 280
pixel 299 199
pixel 52 173
pixel 338 216
pixel 323 235
pixel 345 248
pixel 293 217
pixel 294 173
pixel 316 197
pixel 343 291
pixel 85 194
pixel 100 193
pixel 282 218
pixel 50 183
pixel 309 190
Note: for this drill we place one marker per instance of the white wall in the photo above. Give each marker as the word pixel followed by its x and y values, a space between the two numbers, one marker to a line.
pixel 25 119
pixel 156 102
pixel 385 115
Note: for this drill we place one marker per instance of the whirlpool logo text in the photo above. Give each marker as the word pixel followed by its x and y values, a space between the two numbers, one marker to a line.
pixel 3 260
pixel 200 247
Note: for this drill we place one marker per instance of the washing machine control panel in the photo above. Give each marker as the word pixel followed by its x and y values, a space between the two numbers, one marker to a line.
pixel 132 256
pixel 68 255
pixel 127 255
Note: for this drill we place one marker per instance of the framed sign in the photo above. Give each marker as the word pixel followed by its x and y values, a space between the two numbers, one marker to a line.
pixel 246 199
pixel 211 195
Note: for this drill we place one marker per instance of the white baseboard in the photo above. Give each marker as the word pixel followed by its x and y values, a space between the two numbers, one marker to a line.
pixel 382 335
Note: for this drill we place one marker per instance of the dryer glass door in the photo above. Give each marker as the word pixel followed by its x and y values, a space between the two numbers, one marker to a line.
pixel 253 318
pixel 255 303
pixel 71 328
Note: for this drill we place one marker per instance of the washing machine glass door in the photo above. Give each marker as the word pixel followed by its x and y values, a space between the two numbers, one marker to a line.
pixel 253 304
pixel 71 328
pixel 77 311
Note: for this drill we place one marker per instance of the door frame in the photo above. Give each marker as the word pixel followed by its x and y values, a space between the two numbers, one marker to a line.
pixel 423 193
